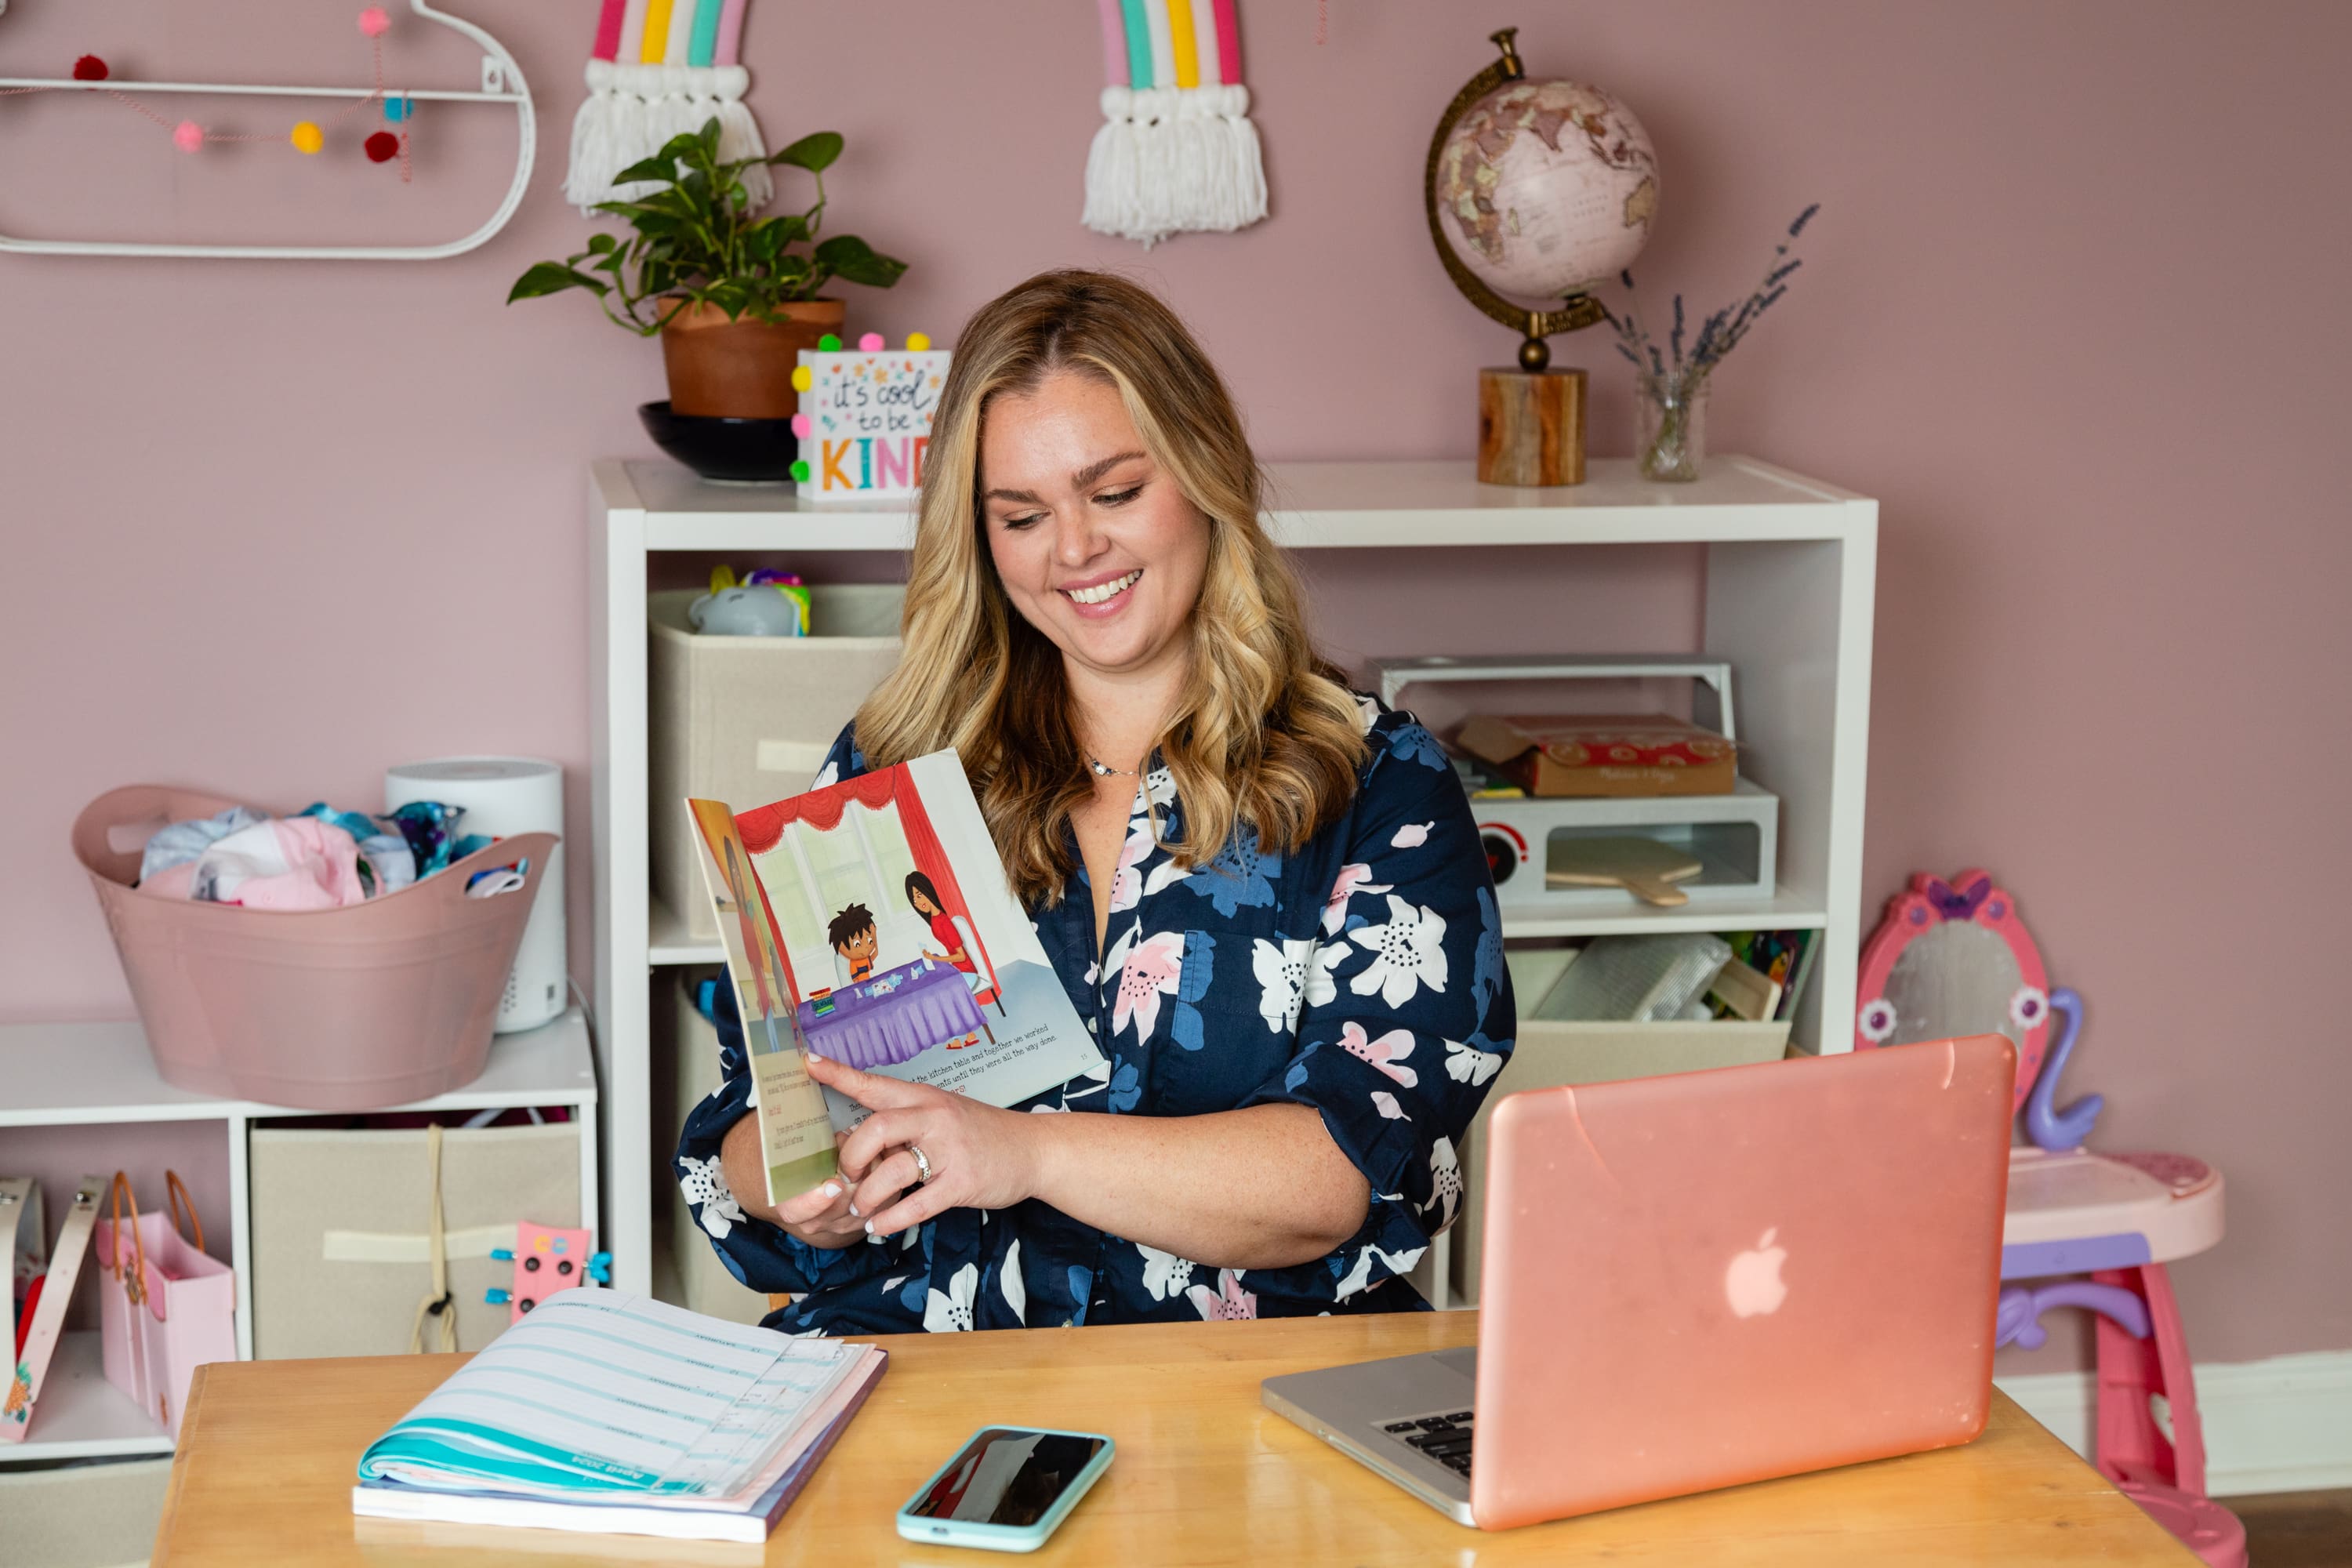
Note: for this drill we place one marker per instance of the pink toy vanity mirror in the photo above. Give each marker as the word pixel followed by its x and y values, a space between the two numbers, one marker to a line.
pixel 1952 958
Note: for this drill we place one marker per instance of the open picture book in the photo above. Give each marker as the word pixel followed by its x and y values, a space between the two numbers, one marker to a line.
pixel 871 920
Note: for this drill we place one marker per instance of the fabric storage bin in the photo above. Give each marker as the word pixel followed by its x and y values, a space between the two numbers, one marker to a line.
pixel 340 1248
pixel 684 1070
pixel 82 1515
pixel 749 720
pixel 358 1008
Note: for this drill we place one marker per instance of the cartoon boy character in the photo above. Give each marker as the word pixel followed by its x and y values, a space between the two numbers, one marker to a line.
pixel 853 937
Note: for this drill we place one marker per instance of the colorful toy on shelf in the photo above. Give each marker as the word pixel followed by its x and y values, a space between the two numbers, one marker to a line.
pixel 501 82
pixel 547 1259
pixel 1954 958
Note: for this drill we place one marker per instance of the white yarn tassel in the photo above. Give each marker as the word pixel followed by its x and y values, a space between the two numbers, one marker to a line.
pixel 1156 214
pixel 1245 182
pixel 1169 160
pixel 1111 167
pixel 592 158
pixel 739 134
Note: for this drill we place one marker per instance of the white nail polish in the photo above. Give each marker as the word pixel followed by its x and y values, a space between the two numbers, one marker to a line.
pixel 853 1209
pixel 869 1228
pixel 833 1189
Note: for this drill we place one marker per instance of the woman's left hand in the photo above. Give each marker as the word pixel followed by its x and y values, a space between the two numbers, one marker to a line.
pixel 981 1157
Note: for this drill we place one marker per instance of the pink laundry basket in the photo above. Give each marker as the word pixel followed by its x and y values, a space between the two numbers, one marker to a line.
pixel 351 1009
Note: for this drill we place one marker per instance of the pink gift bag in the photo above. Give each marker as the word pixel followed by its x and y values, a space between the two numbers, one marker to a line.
pixel 165 1308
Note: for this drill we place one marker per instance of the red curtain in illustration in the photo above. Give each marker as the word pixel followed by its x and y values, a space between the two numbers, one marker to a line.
pixel 763 829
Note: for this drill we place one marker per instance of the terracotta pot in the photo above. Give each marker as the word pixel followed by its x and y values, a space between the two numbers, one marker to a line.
pixel 742 369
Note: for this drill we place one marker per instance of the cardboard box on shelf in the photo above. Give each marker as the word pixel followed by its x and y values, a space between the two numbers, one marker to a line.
pixel 1608 755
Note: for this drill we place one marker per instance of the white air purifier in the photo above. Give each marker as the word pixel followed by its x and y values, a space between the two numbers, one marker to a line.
pixel 503 797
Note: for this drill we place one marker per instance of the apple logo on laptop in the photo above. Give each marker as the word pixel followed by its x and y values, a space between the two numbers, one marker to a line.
pixel 1753 1282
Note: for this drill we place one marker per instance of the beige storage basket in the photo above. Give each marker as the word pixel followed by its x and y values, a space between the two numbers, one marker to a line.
pixel 1550 1054
pixel 340 1247
pixel 684 1070
pixel 749 720
pixel 82 1515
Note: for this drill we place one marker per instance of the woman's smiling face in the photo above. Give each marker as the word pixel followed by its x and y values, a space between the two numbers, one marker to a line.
pixel 1095 545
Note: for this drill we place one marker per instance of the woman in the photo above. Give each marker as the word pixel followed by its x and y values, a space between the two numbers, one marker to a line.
pixel 924 899
pixel 1264 893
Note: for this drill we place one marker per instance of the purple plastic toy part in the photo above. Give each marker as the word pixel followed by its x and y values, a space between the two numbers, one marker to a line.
pixel 2019 1320
pixel 2075 1254
pixel 2055 1130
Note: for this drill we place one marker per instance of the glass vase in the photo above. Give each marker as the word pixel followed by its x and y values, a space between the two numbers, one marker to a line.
pixel 1671 427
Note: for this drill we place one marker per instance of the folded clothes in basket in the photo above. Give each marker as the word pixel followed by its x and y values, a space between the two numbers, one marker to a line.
pixel 319 859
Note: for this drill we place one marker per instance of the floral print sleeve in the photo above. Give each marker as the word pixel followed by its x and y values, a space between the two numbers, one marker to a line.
pixel 1404 1007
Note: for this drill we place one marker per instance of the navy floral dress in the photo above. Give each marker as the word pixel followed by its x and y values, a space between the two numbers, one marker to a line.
pixel 1362 976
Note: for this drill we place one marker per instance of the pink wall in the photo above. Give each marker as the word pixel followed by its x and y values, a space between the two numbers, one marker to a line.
pixel 2072 311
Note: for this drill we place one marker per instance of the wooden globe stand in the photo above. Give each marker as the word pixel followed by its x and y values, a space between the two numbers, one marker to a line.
pixel 1531 418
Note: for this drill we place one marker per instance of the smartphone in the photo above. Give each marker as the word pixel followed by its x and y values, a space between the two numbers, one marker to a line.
pixel 1007 1490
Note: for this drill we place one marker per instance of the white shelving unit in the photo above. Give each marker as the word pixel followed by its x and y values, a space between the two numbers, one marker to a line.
pixel 102 1075
pixel 1790 576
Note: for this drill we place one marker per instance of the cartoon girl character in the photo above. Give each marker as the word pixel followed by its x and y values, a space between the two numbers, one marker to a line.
pixel 925 900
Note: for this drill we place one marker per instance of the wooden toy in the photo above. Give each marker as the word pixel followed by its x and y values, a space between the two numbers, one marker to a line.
pixel 1643 867
pixel 547 1259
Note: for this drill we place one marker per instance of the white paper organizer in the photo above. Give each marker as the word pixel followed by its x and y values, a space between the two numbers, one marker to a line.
pixel 502 82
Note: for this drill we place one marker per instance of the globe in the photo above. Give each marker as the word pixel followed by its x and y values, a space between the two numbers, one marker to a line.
pixel 1545 188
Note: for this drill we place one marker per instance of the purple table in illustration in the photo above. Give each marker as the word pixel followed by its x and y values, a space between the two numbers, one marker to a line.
pixel 894 1017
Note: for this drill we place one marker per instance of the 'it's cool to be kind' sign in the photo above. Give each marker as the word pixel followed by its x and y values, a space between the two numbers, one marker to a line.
pixel 865 417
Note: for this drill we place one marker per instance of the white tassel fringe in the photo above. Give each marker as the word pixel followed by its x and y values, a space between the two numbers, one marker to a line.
pixel 1174 160
pixel 632 111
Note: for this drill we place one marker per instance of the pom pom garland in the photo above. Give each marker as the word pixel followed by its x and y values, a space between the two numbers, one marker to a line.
pixel 828 344
pixel 306 137
pixel 870 343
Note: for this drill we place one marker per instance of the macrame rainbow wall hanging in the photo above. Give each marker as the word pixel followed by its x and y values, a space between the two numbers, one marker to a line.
pixel 661 68
pixel 1177 151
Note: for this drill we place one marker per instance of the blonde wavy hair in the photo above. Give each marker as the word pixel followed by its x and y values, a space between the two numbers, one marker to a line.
pixel 1265 734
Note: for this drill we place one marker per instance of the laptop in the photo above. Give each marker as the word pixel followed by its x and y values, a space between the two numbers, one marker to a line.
pixel 1701 1280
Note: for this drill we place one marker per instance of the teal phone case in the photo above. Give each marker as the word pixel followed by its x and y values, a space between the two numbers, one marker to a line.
pixel 1003 1537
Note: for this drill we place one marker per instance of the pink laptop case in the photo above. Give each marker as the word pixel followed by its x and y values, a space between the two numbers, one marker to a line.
pixel 1715 1278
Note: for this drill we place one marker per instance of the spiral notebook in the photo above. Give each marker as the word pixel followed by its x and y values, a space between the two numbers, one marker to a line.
pixel 616 1414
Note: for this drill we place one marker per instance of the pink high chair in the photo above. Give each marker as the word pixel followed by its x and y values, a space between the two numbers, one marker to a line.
pixel 1953 958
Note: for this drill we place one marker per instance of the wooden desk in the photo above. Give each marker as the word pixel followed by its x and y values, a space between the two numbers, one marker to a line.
pixel 1205 1474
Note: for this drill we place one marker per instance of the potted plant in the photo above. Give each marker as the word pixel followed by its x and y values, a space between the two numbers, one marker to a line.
pixel 735 297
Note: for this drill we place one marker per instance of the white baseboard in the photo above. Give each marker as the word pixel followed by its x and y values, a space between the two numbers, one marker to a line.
pixel 2278 1426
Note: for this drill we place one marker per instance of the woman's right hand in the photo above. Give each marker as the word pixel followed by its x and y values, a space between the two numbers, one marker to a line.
pixel 819 1217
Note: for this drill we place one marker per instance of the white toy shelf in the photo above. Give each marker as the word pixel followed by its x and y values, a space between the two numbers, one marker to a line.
pixel 1789 569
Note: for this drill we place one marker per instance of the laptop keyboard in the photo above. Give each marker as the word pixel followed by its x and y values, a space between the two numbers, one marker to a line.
pixel 1445 1438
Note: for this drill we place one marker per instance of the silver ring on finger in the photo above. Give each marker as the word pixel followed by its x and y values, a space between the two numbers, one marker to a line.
pixel 922 1164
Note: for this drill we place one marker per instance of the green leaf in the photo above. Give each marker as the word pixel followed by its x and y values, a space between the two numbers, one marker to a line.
pixel 708 135
pixel 661 167
pixel 852 259
pixel 814 151
pixel 601 243
pixel 550 278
